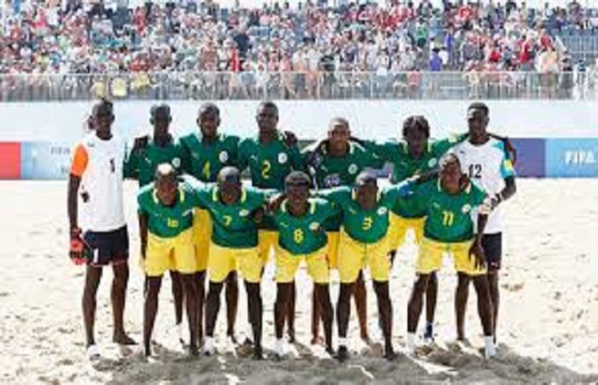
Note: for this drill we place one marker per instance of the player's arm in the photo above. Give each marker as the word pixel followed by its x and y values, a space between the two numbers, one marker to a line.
pixel 381 152
pixel 441 146
pixel 78 167
pixel 131 166
pixel 336 195
pixel 510 150
pixel 185 158
pixel 507 171
pixel 143 230
pixel 485 204
pixel 243 155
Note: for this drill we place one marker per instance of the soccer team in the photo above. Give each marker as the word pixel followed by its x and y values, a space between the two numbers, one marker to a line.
pixel 322 206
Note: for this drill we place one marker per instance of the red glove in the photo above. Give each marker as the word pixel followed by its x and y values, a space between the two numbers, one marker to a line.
pixel 77 249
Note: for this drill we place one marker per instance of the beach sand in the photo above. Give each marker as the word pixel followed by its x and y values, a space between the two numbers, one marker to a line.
pixel 548 328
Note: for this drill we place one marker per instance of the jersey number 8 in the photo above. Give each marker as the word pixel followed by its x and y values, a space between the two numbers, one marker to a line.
pixel 298 236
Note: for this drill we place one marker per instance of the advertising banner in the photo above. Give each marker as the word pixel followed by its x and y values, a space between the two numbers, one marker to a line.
pixel 572 158
pixel 44 160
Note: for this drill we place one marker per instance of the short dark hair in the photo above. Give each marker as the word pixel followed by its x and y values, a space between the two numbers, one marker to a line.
pixel 268 104
pixel 479 106
pixel 158 109
pixel 298 178
pixel 447 159
pixel 103 104
pixel 229 174
pixel 340 120
pixel 208 108
pixel 418 122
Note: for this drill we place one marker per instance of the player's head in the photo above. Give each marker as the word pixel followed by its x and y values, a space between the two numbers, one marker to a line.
pixel 478 116
pixel 339 134
pixel 103 116
pixel 166 184
pixel 160 119
pixel 267 116
pixel 416 132
pixel 451 176
pixel 297 185
pixel 366 189
pixel 229 185
pixel 208 119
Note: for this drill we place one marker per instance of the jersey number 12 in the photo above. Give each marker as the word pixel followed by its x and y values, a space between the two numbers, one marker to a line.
pixel 475 171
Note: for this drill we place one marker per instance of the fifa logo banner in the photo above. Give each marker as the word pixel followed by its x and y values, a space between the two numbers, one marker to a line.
pixel 572 158
pixel 44 161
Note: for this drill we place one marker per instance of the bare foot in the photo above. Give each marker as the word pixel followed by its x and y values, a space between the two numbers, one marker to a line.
pixel 123 339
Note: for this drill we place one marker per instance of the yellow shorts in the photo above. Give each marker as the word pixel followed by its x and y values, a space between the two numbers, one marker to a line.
pixel 223 260
pixel 399 226
pixel 174 253
pixel 333 237
pixel 267 241
pixel 431 253
pixel 287 265
pixel 355 255
pixel 202 233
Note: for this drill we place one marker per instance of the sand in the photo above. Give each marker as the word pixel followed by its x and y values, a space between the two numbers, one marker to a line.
pixel 548 330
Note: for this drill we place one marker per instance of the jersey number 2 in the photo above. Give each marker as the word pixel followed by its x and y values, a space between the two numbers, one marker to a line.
pixel 266 166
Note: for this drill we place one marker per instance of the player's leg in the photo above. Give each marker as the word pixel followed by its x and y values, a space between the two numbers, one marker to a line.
pixel 232 304
pixel 177 296
pixel 150 311
pixel 221 262
pixel 254 309
pixel 414 309
pixel 379 265
pixel 431 298
pixel 189 286
pixel 319 271
pixel 485 312
pixel 283 295
pixel 429 260
pixel 461 296
pixel 200 294
pixel 315 317
pixel 492 244
pixel 350 262
pixel 118 296
pixel 212 309
pixel 361 299
pixel 250 265
pixel 93 276
pixel 291 311
pixel 343 312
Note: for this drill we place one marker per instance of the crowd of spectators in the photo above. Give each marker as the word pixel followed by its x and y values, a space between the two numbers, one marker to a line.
pixel 191 48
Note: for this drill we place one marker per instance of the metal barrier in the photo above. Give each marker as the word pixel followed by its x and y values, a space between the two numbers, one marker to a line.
pixel 299 86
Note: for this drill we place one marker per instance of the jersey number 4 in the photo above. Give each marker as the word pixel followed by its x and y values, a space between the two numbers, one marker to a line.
pixel 475 171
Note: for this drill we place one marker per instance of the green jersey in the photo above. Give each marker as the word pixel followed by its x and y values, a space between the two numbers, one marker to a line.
pixel 405 166
pixel 365 225
pixel 448 217
pixel 141 164
pixel 204 160
pixel 331 171
pixel 269 164
pixel 305 234
pixel 167 221
pixel 233 226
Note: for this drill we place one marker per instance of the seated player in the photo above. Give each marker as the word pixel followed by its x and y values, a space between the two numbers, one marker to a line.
pixel 302 238
pixel 165 220
pixel 364 242
pixel 448 228
pixel 234 246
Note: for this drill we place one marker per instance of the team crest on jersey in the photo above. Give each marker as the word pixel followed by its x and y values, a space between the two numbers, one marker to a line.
pixel 432 162
pixel 176 162
pixel 466 209
pixel 353 169
pixel 223 157
pixel 282 158
pixel 382 211
pixel 332 180
pixel 314 226
pixel 244 213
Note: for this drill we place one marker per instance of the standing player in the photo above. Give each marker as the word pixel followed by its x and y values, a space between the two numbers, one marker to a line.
pixel 204 155
pixel 300 221
pixel 142 162
pixel 234 246
pixel 416 154
pixel 485 160
pixel 333 163
pixel 448 228
pixel 165 219
pixel 364 242
pixel 270 157
pixel 98 165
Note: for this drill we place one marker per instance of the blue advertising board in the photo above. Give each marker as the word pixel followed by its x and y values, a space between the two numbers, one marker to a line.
pixel 572 158
pixel 531 159
pixel 45 160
